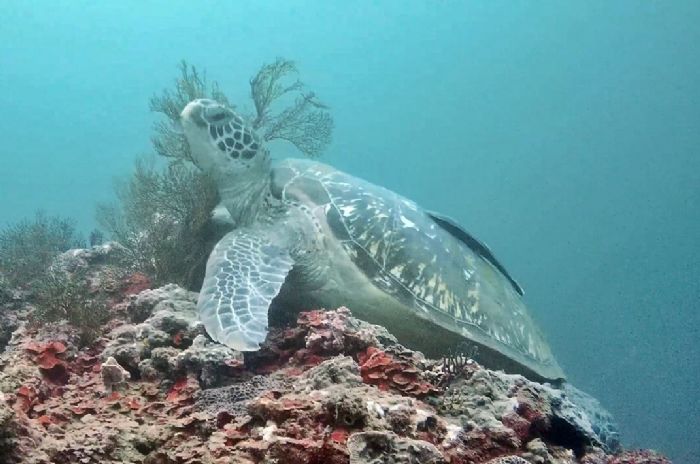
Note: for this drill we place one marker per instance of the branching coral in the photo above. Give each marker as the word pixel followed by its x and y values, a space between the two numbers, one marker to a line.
pixel 27 248
pixel 306 123
pixel 7 416
pixel 266 87
pixel 168 140
pixel 59 295
pixel 163 215
pixel 5 291
pixel 29 258
pixel 163 220
pixel 456 359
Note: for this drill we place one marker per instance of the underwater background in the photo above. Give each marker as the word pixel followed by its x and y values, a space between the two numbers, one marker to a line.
pixel 564 134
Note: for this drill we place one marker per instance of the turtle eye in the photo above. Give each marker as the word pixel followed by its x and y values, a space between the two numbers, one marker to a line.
pixel 218 114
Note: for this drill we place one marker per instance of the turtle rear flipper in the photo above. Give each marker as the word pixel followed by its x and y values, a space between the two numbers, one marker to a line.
pixel 245 271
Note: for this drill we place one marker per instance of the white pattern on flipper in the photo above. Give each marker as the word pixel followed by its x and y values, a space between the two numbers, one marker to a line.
pixel 244 273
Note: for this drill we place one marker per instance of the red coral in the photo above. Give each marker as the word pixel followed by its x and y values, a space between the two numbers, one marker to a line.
pixel 44 420
pixel 329 333
pixel 307 424
pixel 397 371
pixel 38 348
pixel 305 358
pixel 340 435
pixel 133 403
pixel 325 334
pixel 86 363
pixel 316 318
pixel 318 336
pixel 81 411
pixel 183 390
pixel 178 338
pixel 135 283
pixel 26 398
pixel 520 425
pixel 46 356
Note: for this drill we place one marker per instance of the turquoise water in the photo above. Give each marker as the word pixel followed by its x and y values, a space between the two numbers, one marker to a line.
pixel 563 134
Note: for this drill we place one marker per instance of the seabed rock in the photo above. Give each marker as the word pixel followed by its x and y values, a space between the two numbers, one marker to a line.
pixel 113 374
pixel 330 389
pixel 389 448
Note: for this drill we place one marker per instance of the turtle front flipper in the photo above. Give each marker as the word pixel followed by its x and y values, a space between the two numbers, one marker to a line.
pixel 245 272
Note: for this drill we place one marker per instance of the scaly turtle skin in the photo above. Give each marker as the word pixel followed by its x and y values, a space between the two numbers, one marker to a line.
pixel 309 235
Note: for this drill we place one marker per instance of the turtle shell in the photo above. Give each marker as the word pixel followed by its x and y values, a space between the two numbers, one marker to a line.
pixel 424 261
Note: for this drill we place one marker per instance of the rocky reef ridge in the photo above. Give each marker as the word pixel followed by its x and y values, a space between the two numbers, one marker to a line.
pixel 153 388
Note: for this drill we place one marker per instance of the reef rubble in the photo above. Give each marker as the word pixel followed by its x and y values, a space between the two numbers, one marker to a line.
pixel 154 389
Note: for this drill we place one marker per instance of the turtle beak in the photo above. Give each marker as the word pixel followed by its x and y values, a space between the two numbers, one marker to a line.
pixel 194 127
pixel 193 112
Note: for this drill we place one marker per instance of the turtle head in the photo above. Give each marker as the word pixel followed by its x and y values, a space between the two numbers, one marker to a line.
pixel 226 148
pixel 221 142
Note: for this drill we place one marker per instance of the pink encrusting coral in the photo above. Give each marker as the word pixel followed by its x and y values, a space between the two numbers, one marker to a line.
pixel 154 389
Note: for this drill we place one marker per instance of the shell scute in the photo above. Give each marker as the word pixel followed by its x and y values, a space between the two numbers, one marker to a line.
pixel 406 254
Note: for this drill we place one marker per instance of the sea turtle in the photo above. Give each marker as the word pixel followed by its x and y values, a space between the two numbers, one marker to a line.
pixel 307 235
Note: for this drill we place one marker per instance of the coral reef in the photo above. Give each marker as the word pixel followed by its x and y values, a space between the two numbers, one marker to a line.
pixel 7 416
pixel 10 316
pixel 163 221
pixel 152 388
pixel 5 290
pixel 63 295
pixel 28 247
pixel 169 343
pixel 527 408
pixel 76 287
